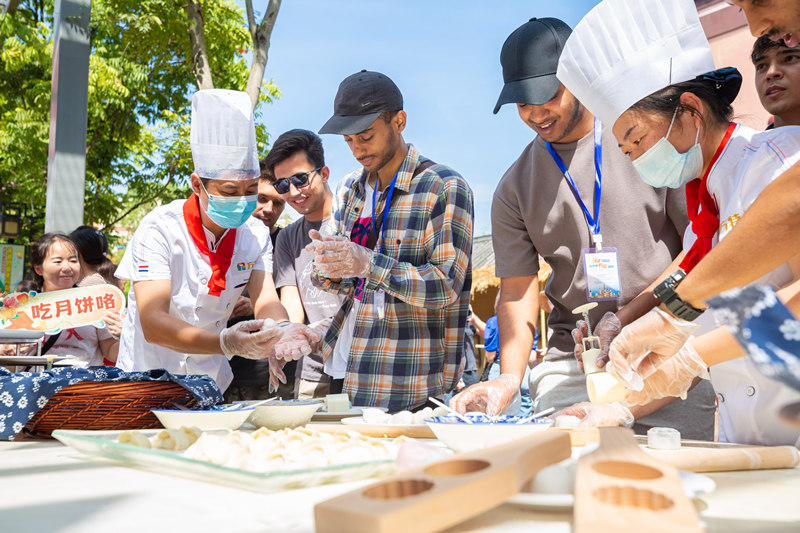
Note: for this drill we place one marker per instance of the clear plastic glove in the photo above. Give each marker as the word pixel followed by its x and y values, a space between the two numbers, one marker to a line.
pixel 646 343
pixel 276 374
pixel 607 329
pixel 296 340
pixel 114 321
pixel 599 414
pixel 246 339
pixel 490 397
pixel 672 378
pixel 321 328
pixel 338 257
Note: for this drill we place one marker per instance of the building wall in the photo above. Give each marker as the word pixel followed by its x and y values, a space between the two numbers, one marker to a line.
pixel 731 43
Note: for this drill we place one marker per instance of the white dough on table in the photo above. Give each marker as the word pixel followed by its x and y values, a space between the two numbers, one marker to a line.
pixel 663 439
pixel 370 415
pixel 566 421
pixel 337 403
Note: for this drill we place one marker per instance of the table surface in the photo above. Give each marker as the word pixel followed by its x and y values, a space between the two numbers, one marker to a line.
pixel 46 487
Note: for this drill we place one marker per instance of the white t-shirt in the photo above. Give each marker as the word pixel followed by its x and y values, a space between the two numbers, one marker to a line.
pixel 163 249
pixel 336 364
pixel 81 345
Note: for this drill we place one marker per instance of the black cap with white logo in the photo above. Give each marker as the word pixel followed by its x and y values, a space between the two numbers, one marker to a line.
pixel 360 100
pixel 530 59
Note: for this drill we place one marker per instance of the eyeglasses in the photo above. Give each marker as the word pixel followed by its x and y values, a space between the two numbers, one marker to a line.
pixel 299 180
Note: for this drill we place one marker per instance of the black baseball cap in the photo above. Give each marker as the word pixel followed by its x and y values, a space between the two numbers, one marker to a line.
pixel 360 100
pixel 530 60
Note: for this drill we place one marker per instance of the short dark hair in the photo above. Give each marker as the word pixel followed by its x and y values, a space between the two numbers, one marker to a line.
pixel 667 100
pixel 291 142
pixel 387 116
pixel 266 174
pixel 762 45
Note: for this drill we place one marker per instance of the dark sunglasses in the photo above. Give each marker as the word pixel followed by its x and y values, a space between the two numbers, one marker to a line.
pixel 299 180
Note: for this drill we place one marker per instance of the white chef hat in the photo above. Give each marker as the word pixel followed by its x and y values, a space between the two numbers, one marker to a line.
pixel 624 50
pixel 223 135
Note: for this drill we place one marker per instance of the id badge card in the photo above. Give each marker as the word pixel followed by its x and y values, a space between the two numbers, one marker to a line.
pixel 378 304
pixel 602 274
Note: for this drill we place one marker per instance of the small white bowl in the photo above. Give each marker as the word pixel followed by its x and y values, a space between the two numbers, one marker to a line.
pixel 284 413
pixel 203 419
pixel 484 431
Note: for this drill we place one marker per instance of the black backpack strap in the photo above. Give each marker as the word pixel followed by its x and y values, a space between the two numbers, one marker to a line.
pixel 50 342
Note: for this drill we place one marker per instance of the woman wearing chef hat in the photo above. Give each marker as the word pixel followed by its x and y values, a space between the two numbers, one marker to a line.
pixel 191 259
pixel 645 69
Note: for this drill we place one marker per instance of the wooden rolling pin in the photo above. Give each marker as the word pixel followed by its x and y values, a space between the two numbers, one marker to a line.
pixel 725 459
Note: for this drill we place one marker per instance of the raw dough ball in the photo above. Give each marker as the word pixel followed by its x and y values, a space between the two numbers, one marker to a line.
pixel 422 414
pixel 268 323
pixel 664 439
pixel 440 411
pixel 403 418
pixel 567 421
pixel 371 415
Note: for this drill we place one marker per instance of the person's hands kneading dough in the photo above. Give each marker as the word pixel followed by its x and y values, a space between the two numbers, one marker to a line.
pixel 247 339
pixel 491 397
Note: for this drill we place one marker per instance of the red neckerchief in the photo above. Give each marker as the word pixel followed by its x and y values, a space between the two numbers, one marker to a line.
pixel 221 259
pixel 703 211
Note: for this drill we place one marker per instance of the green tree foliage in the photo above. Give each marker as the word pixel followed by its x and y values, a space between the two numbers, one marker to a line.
pixel 140 86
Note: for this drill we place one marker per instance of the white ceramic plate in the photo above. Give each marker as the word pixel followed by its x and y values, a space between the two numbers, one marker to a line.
pixel 693 485
pixel 335 416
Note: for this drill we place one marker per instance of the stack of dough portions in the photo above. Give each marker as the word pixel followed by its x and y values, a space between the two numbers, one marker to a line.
pixel 290 449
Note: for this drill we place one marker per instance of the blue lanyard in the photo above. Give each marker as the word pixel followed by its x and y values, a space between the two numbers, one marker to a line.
pixel 594 222
pixel 389 193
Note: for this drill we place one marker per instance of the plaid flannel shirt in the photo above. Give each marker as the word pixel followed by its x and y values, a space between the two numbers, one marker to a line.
pixel 416 350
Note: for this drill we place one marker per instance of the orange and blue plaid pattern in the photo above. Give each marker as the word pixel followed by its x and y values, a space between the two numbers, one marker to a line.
pixel 416 350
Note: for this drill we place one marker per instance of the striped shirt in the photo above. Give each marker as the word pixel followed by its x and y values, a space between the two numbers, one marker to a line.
pixel 416 350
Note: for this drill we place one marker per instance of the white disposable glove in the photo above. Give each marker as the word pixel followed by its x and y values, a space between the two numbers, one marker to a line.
pixel 114 321
pixel 338 257
pixel 645 343
pixel 246 339
pixel 599 414
pixel 296 340
pixel 607 329
pixel 276 374
pixel 672 378
pixel 491 397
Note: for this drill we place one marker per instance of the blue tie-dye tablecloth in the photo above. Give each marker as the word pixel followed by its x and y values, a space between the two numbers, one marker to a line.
pixel 22 394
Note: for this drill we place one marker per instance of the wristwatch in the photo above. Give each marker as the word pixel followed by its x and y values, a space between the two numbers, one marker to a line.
pixel 665 291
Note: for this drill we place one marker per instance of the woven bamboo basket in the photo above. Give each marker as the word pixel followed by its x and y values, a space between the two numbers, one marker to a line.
pixel 106 405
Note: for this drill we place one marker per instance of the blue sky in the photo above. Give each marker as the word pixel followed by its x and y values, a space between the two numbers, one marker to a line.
pixel 444 55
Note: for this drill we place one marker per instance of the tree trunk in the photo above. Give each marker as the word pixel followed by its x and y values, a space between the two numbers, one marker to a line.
pixel 261 35
pixel 200 67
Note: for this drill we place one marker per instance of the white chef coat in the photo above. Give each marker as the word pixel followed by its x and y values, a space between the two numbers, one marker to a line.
pixel 163 249
pixel 749 402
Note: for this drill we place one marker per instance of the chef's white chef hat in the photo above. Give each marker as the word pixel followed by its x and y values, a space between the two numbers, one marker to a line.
pixel 624 50
pixel 223 135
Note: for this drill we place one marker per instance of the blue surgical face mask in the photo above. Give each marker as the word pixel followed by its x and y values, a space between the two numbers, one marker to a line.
pixel 663 166
pixel 230 211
